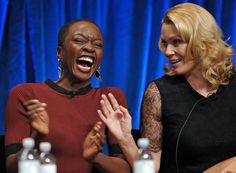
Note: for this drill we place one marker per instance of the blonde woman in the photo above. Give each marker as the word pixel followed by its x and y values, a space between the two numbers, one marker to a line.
pixel 189 114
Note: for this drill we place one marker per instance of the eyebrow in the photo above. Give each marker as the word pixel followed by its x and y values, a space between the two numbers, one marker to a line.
pixel 171 38
pixel 81 34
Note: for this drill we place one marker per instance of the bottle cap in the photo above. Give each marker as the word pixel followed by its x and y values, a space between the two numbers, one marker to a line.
pixel 28 143
pixel 143 143
pixel 45 146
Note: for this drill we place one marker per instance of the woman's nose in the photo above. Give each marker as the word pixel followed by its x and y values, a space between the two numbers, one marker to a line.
pixel 88 47
pixel 169 50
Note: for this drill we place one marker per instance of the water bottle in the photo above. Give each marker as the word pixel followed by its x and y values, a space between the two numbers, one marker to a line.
pixel 28 161
pixel 143 162
pixel 47 160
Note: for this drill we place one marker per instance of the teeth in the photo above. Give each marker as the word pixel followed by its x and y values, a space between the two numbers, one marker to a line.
pixel 175 60
pixel 86 59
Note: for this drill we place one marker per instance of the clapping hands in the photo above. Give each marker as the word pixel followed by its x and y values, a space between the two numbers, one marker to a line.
pixel 115 116
pixel 94 142
pixel 37 116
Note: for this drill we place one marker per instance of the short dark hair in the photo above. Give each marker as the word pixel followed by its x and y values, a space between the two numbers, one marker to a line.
pixel 65 28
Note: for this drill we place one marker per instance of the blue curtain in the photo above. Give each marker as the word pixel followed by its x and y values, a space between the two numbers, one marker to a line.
pixel 131 29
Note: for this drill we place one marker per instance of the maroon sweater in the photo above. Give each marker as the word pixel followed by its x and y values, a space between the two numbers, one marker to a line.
pixel 72 115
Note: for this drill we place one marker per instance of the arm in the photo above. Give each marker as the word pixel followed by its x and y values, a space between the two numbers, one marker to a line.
pixel 118 120
pixel 110 164
pixel 91 152
pixel 11 162
pixel 38 120
pixel 151 125
pixel 225 166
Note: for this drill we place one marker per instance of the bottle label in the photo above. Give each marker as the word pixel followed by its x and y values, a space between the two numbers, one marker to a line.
pixel 48 168
pixel 29 166
pixel 144 166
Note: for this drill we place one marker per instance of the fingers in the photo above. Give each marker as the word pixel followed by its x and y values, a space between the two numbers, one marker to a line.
pixel 109 104
pixel 94 141
pixel 103 117
pixel 34 106
pixel 98 131
pixel 32 102
pixel 97 135
pixel 114 103
pixel 105 108
pixel 105 103
pixel 125 112
pixel 97 128
pixel 100 140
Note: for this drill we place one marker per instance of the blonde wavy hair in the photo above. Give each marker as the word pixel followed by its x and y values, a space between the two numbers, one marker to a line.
pixel 198 28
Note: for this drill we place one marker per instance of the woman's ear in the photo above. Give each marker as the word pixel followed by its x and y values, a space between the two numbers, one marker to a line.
pixel 59 52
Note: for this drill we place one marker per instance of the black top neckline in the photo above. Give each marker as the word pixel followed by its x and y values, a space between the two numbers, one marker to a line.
pixel 72 93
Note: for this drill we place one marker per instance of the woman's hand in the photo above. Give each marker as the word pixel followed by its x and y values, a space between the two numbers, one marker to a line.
pixel 94 142
pixel 37 116
pixel 116 117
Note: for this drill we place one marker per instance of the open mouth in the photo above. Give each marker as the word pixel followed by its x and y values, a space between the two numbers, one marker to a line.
pixel 174 61
pixel 85 61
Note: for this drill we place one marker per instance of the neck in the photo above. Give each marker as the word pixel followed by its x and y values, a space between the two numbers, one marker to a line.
pixel 201 85
pixel 71 85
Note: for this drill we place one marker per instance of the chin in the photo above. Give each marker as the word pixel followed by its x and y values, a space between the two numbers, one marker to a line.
pixel 83 77
pixel 179 72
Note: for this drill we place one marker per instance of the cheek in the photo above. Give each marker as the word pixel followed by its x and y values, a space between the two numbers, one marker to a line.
pixel 99 56
pixel 100 53
pixel 99 62
pixel 183 50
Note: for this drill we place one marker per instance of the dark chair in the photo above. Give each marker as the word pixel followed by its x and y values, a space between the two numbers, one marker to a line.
pixel 136 134
pixel 2 155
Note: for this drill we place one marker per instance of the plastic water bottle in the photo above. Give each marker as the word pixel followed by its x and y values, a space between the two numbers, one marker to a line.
pixel 28 161
pixel 144 162
pixel 47 160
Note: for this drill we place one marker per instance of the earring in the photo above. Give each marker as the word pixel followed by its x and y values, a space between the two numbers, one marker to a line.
pixel 98 74
pixel 59 68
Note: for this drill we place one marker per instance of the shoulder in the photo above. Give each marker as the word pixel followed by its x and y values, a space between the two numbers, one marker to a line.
pixel 152 87
pixel 233 77
pixel 117 92
pixel 26 88
pixel 152 92
pixel 169 79
pixel 111 89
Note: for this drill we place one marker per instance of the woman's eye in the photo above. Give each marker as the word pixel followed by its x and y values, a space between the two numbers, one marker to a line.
pixel 79 40
pixel 164 43
pixel 177 42
pixel 99 45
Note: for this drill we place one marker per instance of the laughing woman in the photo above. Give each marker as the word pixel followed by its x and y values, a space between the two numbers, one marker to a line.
pixel 71 104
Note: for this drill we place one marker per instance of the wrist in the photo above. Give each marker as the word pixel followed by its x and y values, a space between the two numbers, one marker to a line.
pixel 93 160
pixel 126 140
pixel 37 137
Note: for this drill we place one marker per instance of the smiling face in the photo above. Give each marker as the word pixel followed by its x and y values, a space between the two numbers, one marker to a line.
pixel 81 52
pixel 175 49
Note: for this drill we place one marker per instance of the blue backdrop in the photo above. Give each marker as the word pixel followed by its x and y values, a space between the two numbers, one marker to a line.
pixel 131 29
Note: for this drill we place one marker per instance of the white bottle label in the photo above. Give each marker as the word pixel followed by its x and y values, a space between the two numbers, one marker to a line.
pixel 144 166
pixel 48 168
pixel 29 166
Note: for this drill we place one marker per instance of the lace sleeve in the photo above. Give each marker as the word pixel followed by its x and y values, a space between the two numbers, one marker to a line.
pixel 151 125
